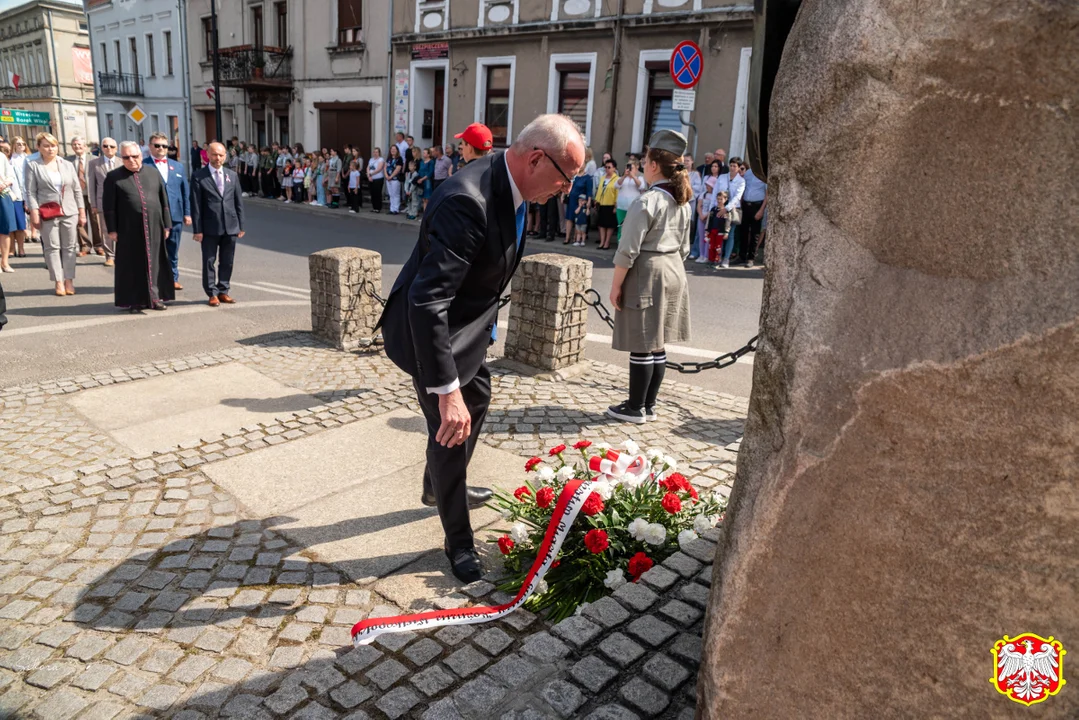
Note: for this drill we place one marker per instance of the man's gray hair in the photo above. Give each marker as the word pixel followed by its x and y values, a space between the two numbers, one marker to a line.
pixel 78 138
pixel 551 132
pixel 108 138
pixel 130 143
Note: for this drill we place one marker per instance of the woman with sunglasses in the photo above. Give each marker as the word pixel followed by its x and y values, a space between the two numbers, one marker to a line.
pixel 19 155
pixel 56 205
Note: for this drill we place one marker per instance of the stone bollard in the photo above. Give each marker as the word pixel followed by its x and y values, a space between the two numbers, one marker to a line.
pixel 342 311
pixel 547 324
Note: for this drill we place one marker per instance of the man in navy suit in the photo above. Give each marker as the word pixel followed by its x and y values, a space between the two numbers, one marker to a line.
pixel 172 175
pixel 217 217
pixel 440 317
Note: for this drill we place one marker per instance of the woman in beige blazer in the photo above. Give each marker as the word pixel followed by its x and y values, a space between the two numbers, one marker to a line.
pixel 53 179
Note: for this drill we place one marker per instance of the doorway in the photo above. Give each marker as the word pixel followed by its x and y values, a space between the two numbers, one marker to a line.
pixel 427 101
pixel 260 133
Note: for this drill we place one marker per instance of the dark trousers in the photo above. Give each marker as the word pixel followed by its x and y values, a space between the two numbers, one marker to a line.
pixel 353 198
pixel 376 194
pixel 447 468
pixel 172 249
pixel 750 229
pixel 268 178
pixel 550 219
pixel 219 250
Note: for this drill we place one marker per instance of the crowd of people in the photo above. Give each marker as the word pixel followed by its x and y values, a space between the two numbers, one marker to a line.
pixel 728 201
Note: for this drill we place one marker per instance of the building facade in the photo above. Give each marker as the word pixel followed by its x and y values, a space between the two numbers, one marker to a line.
pixel 46 45
pixel 138 49
pixel 293 71
pixel 604 63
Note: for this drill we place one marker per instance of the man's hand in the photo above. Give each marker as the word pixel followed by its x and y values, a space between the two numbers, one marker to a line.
pixel 187 219
pixel 112 236
pixel 197 237
pixel 456 420
pixel 167 232
pixel 616 296
pixel 240 235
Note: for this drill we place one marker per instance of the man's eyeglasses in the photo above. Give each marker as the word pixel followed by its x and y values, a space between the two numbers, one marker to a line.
pixel 556 165
pixel 161 145
pixel 110 147
pixel 129 157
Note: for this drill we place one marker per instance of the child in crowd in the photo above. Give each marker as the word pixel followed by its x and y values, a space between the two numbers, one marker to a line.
pixel 286 180
pixel 413 191
pixel 717 229
pixel 299 174
pixel 580 221
pixel 353 187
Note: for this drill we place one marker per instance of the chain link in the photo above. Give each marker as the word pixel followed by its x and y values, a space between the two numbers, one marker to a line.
pixel 594 300
pixel 504 302
pixel 369 288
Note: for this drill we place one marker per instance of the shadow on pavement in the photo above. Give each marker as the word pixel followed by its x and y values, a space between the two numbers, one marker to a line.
pixel 289 403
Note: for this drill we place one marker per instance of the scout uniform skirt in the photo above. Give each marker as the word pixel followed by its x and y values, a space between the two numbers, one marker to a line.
pixel 655 304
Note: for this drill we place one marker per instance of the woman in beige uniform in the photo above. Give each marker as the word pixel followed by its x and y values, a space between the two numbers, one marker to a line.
pixel 649 291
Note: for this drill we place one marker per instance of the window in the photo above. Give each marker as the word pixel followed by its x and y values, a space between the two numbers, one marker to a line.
pixel 110 125
pixel 573 92
pixel 496 112
pixel 173 122
pixel 283 130
pixel 150 52
pixel 659 114
pixel 155 123
pixel 168 52
pixel 104 57
pixel 281 17
pixel 119 57
pixel 207 38
pixel 349 22
pixel 134 46
pixel 256 25
pixel 83 27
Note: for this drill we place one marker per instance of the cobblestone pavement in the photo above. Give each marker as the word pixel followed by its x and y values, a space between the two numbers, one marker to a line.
pixel 132 586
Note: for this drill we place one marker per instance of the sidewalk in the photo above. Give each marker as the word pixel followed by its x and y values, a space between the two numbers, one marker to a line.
pixel 195 538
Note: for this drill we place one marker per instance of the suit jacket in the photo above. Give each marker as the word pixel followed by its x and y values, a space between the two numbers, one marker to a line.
pixel 211 212
pixel 177 189
pixel 439 316
pixel 95 179
pixel 40 190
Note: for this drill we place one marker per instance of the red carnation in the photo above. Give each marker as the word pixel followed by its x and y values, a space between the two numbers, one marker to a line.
pixel 532 463
pixel 520 492
pixel 675 482
pixel 505 544
pixel 593 505
pixel 693 494
pixel 582 445
pixel 557 450
pixel 544 496
pixel 638 565
pixel 555 564
pixel 596 541
pixel 671 503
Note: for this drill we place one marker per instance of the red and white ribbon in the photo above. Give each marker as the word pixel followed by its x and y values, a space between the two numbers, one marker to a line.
pixel 569 504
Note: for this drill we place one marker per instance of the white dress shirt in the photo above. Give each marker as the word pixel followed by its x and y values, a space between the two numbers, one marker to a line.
pixel 518 200
pixel 756 189
pixel 163 168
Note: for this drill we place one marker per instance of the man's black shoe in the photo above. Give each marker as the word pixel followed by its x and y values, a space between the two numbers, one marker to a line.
pixel 465 564
pixel 477 496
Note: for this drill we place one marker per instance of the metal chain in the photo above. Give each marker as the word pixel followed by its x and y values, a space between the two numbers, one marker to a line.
pixel 593 299
pixel 369 288
pixel 504 302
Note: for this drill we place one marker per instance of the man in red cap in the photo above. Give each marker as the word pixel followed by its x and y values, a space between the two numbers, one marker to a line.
pixel 478 141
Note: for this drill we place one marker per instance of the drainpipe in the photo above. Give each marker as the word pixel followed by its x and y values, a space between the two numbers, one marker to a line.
pixel 388 108
pixel 189 120
pixel 616 65
pixel 56 74
pixel 90 39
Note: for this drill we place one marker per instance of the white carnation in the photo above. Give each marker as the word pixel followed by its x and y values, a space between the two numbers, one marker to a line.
pixel 615 579
pixel 567 473
pixel 506 513
pixel 655 534
pixel 654 454
pixel 701 523
pixel 603 488
pixel 519 533
pixel 686 536
pixel 541 587
pixel 637 528
pixel 670 462
pixel 631 447
pixel 545 473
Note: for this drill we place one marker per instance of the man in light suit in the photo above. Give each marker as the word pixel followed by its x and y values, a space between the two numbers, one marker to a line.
pixel 217 219
pixel 440 317
pixel 172 175
pixel 95 186
pixel 89 239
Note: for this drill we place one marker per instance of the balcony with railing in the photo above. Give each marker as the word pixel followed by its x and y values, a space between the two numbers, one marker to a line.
pixel 27 92
pixel 246 66
pixel 120 84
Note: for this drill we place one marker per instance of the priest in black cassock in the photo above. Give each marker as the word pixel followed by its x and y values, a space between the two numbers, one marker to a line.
pixel 136 209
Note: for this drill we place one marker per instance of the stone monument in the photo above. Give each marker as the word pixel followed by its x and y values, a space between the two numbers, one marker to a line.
pixel 908 485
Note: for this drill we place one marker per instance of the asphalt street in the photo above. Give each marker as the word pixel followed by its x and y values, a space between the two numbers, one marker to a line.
pixel 50 337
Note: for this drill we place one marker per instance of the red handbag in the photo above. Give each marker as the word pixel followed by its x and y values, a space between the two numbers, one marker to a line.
pixel 51 210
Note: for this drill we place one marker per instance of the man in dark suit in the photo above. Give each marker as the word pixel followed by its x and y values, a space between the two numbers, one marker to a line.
pixel 172 175
pixel 217 219
pixel 440 316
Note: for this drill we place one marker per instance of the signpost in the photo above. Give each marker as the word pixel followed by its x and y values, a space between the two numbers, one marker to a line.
pixel 25 117
pixel 687 64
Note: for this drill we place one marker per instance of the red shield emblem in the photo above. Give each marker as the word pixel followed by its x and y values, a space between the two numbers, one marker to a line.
pixel 1028 668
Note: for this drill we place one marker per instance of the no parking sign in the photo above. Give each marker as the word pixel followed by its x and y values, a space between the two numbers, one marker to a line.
pixel 687 63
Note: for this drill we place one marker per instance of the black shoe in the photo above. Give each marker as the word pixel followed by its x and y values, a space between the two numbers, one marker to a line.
pixel 650 413
pixel 465 564
pixel 477 496
pixel 627 413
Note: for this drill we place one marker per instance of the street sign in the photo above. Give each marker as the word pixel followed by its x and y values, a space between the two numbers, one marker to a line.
pixel 25 117
pixel 137 115
pixel 686 64
pixel 683 100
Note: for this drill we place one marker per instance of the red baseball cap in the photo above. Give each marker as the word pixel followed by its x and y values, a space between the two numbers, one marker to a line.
pixel 477 135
